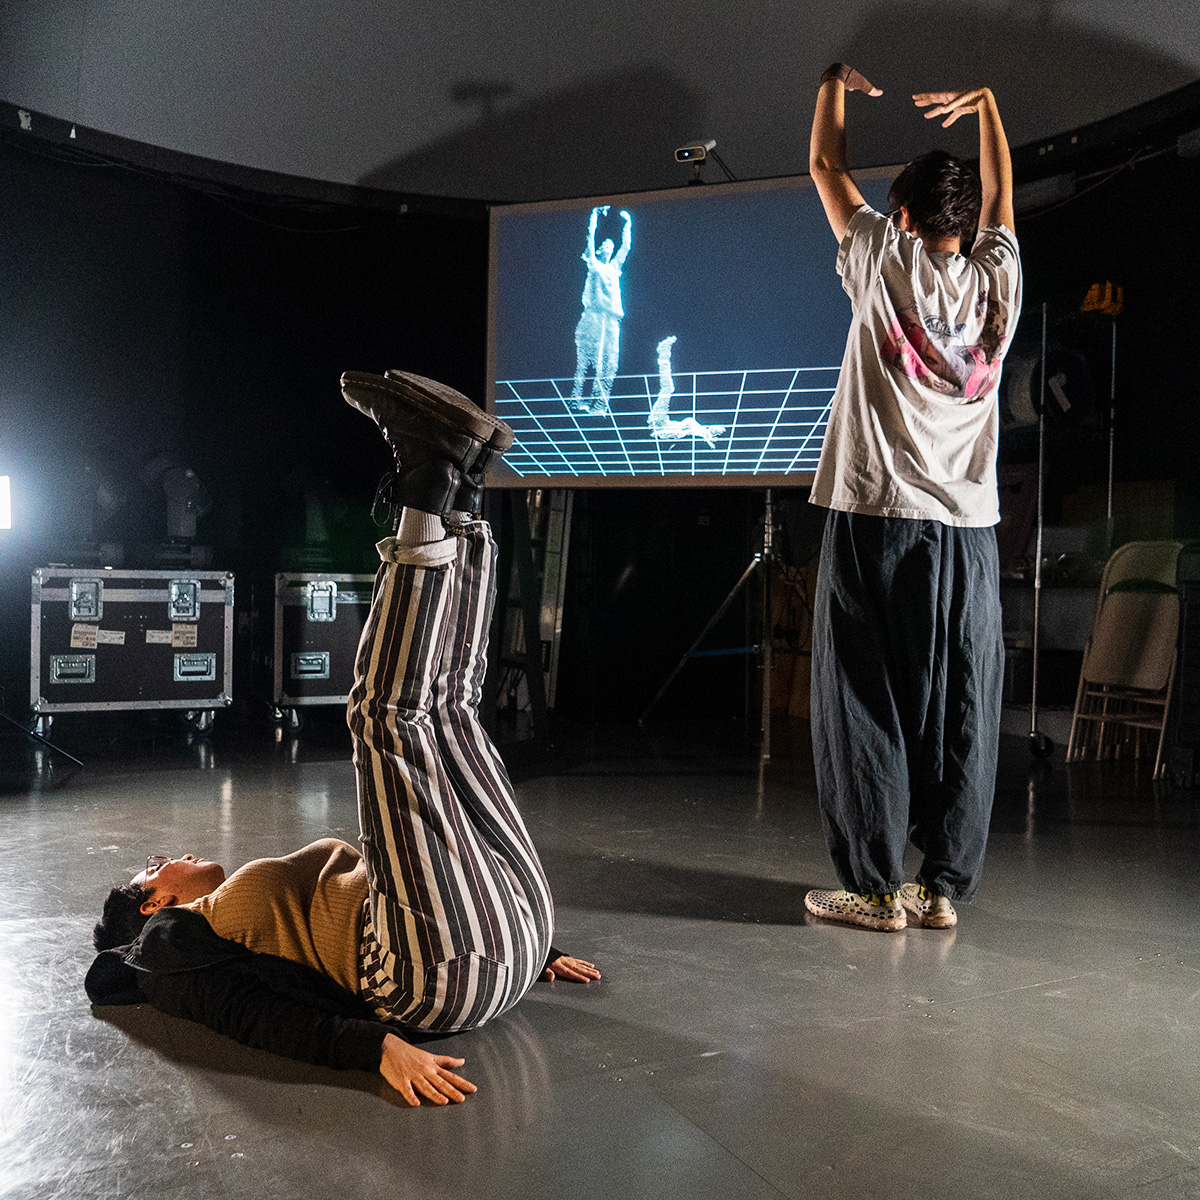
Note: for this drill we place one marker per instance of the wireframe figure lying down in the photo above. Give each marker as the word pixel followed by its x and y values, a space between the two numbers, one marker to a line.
pixel 662 426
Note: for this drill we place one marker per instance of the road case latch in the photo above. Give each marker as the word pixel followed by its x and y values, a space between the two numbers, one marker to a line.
pixel 87 599
pixel 183 600
pixel 321 596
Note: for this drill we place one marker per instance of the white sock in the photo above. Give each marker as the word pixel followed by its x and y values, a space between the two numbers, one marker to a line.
pixel 419 528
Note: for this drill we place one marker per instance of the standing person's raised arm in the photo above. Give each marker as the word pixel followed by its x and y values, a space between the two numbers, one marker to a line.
pixel 827 146
pixel 995 163
pixel 589 254
pixel 626 238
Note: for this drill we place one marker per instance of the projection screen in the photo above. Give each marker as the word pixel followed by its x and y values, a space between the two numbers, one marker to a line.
pixel 690 336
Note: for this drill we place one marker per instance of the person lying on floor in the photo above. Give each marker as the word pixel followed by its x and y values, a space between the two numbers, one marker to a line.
pixel 444 919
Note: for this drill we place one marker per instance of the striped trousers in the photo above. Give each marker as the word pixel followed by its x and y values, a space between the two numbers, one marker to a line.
pixel 459 911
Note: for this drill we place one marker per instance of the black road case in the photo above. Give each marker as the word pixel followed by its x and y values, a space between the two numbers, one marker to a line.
pixel 319 618
pixel 103 639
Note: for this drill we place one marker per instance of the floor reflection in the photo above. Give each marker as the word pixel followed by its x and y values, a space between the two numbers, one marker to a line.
pixel 736 1046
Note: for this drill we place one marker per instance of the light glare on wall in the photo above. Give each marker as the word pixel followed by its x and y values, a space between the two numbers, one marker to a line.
pixel 5 503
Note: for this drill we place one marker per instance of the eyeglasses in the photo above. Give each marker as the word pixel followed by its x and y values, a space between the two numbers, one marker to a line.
pixel 155 861
pixel 894 217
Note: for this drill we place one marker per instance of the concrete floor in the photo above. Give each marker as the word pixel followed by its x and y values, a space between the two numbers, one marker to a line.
pixel 1047 1047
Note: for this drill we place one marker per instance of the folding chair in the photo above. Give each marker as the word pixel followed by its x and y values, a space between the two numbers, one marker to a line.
pixel 1128 672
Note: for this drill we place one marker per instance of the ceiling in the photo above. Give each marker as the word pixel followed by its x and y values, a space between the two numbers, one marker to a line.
pixel 532 100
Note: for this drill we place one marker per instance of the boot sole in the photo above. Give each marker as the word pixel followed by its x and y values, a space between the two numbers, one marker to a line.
pixel 443 405
pixel 497 434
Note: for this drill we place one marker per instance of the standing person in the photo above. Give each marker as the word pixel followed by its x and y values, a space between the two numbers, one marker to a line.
pixel 598 334
pixel 907 650
pixel 444 920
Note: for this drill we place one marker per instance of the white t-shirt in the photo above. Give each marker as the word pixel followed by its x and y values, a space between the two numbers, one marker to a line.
pixel 914 423
pixel 602 287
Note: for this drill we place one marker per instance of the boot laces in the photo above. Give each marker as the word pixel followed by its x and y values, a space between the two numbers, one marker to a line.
pixel 385 508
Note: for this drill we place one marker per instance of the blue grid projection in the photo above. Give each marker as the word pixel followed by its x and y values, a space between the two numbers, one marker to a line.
pixel 774 423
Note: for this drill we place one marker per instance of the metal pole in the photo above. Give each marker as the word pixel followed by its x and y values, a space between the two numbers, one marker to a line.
pixel 1112 425
pixel 767 627
pixel 1037 566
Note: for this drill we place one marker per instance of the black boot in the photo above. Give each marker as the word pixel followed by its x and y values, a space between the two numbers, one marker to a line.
pixel 435 433
pixel 469 497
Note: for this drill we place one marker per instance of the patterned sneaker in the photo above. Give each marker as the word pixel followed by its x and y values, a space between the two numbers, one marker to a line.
pixel 930 909
pixel 871 912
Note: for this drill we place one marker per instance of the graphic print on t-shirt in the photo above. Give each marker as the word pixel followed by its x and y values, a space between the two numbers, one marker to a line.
pixel 969 372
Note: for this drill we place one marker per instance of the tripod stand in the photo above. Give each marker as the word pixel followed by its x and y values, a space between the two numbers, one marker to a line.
pixel 761 564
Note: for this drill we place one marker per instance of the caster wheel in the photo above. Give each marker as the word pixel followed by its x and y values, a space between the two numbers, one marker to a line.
pixel 200 720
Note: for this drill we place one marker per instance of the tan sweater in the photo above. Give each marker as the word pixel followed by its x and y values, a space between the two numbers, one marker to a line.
pixel 307 906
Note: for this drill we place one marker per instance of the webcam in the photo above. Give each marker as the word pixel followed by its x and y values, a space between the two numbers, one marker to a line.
pixel 695 152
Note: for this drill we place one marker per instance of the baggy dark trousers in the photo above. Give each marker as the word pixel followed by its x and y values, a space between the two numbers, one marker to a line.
pixel 907 670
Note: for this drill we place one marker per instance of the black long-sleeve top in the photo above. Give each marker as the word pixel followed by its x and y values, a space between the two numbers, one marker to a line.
pixel 183 968
pixel 296 1020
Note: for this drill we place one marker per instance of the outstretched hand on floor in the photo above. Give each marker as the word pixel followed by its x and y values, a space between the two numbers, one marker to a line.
pixel 577 970
pixel 417 1074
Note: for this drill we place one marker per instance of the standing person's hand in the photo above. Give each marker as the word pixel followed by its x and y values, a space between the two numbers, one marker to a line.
pixel 827 164
pixel 415 1073
pixel 952 105
pixel 995 162
pixel 854 81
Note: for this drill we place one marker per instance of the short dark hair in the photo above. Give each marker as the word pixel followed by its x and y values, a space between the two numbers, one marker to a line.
pixel 122 920
pixel 942 194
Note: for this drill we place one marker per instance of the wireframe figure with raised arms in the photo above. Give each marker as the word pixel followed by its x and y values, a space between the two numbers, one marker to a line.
pixel 598 333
